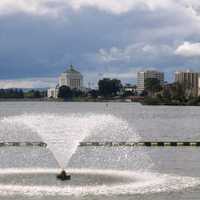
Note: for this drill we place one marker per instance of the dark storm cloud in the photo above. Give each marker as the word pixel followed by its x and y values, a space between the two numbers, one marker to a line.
pixel 39 46
pixel 98 39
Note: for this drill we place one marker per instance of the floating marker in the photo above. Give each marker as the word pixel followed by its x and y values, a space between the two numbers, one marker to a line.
pixel 23 144
pixel 180 144
pixel 110 144
pixel 143 144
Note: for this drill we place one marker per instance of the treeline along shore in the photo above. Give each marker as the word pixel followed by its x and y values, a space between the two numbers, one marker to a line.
pixel 112 90
pixel 21 94
pixel 170 94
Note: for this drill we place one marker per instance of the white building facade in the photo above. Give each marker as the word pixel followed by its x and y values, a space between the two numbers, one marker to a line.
pixel 70 78
pixel 143 75
pixel 52 92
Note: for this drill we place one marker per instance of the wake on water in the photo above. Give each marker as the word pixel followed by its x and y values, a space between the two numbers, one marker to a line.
pixel 63 133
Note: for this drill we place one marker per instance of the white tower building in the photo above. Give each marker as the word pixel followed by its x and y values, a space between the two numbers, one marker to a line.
pixel 71 78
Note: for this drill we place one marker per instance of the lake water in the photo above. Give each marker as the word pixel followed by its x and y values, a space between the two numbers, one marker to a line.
pixel 99 172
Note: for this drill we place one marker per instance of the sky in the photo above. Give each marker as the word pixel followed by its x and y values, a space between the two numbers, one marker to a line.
pixel 39 39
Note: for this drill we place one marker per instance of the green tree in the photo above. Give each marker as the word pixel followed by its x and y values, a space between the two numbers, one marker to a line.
pixel 127 94
pixel 152 85
pixel 116 86
pixel 178 92
pixel 65 92
pixel 11 93
pixel 93 93
pixel 36 94
pixel 77 93
pixel 166 94
pixel 109 87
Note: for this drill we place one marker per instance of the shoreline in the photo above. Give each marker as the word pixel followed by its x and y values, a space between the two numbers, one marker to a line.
pixel 61 100
pixel 94 101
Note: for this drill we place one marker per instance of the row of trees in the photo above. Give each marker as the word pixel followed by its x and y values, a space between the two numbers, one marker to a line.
pixel 66 93
pixel 106 88
pixel 19 93
pixel 175 93
pixel 11 93
pixel 152 86
pixel 109 87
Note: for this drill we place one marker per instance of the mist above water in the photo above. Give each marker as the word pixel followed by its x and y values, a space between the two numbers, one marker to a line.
pixel 63 133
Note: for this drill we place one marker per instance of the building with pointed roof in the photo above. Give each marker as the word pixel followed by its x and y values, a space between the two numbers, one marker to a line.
pixel 70 78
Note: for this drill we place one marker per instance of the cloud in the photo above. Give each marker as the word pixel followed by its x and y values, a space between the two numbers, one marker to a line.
pixel 119 6
pixel 111 37
pixel 130 75
pixel 35 7
pixel 188 49
pixel 28 83
pixel 131 51
pixel 55 7
pixel 114 54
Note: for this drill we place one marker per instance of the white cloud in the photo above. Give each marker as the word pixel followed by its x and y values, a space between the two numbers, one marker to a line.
pixel 28 83
pixel 129 52
pixel 131 74
pixel 55 7
pixel 188 49
pixel 119 6
pixel 42 7
pixel 114 54
pixel 34 7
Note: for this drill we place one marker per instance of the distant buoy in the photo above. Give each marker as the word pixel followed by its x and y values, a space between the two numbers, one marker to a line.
pixel 63 176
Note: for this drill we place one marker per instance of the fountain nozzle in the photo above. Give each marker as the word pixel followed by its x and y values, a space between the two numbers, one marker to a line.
pixel 63 176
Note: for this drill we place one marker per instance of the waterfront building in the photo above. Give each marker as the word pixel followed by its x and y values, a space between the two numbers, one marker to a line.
pixel 143 75
pixel 70 78
pixel 53 92
pixel 190 80
pixel 199 86
pixel 129 88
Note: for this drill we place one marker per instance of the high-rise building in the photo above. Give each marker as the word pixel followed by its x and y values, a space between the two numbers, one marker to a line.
pixel 190 81
pixel 143 75
pixel 199 86
pixel 71 78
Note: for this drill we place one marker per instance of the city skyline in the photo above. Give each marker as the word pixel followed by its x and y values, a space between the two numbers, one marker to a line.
pixel 116 39
pixel 51 82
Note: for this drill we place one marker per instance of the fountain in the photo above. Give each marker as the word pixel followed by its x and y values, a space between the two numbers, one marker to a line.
pixel 99 170
pixel 63 176
pixel 64 133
